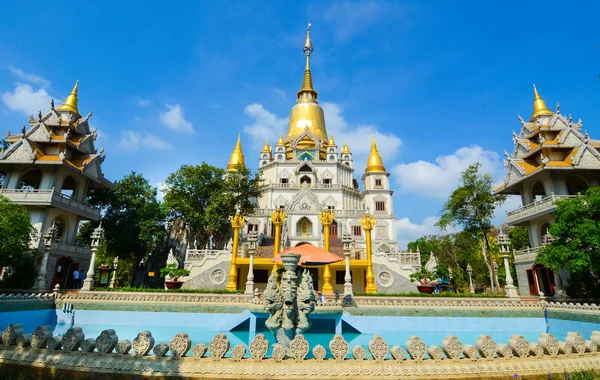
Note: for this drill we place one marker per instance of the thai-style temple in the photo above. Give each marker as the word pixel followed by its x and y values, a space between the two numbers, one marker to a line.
pixel 552 159
pixel 306 172
pixel 49 167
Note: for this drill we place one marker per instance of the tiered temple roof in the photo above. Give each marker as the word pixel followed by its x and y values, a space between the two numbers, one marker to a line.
pixel 550 141
pixel 61 137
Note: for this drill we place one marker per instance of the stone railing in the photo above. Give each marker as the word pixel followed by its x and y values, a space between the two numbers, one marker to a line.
pixel 52 198
pixel 528 254
pixel 71 249
pixel 27 296
pixel 405 258
pixel 544 205
pixel 41 351
pixel 202 254
pixel 152 297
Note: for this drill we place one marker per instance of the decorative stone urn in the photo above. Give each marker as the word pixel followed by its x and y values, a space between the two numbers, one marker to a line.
pixel 289 303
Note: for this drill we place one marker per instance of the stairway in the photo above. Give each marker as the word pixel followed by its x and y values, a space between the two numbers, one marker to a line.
pixel 266 248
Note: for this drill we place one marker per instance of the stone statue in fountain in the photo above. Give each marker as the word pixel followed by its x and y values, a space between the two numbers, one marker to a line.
pixel 290 303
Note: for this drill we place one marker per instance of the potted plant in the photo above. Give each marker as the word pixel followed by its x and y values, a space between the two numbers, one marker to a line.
pixel 172 273
pixel 424 278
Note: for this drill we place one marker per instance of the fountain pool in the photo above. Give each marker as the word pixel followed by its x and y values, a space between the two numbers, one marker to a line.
pixel 243 327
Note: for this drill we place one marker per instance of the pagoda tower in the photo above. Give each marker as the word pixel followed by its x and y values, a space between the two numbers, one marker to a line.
pixel 306 174
pixel 552 159
pixel 49 168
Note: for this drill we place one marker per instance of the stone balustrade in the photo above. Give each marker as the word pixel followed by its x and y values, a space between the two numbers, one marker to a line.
pixel 525 255
pixel 542 206
pixel 72 351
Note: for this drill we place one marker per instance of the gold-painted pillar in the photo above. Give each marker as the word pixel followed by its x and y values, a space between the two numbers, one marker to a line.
pixel 277 217
pixel 368 222
pixel 237 221
pixel 326 217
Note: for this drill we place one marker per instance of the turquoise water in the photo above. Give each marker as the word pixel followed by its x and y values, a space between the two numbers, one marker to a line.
pixel 241 328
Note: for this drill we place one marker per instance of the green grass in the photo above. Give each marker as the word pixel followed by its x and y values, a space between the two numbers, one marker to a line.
pixel 155 290
pixel 441 295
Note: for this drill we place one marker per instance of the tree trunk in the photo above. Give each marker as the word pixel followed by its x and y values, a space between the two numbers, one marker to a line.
pixel 487 262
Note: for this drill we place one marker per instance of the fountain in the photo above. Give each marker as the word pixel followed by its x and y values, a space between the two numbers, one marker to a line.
pixel 289 304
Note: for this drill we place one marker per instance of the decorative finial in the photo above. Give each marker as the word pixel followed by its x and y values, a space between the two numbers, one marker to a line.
pixel 281 141
pixel 374 163
pixel 539 107
pixel 267 147
pixel 557 108
pixel 52 104
pixel 308 46
pixel 237 157
pixel 71 102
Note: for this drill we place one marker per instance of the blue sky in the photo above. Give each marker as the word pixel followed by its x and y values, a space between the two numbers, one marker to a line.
pixel 439 83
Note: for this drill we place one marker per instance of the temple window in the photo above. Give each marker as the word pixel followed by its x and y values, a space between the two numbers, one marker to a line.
pixel 538 191
pixel 280 157
pixel 31 180
pixel 305 179
pixel 265 155
pixel 346 157
pixel 377 182
pixel 356 231
pixel 264 162
pixel 331 150
pixel 347 163
pixel 576 185
pixel 326 181
pixel 380 206
pixel 252 228
pixel 332 157
pixel 280 150
pixel 284 180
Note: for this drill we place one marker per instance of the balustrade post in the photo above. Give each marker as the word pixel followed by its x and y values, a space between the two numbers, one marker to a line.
pixel 40 281
pixel 97 238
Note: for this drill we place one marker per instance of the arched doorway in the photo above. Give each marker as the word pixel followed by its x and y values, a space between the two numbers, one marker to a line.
pixel 63 272
pixel 305 179
pixel 69 186
pixel 540 278
pixel 304 227
pixel 576 184
pixel 59 227
pixel 31 180
pixel 537 191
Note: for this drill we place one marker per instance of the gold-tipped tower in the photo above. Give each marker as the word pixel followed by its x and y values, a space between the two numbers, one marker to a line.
pixel 71 102
pixel 267 147
pixel 331 142
pixel 280 141
pixel 307 113
pixel 345 149
pixel 237 157
pixel 539 107
pixel 374 163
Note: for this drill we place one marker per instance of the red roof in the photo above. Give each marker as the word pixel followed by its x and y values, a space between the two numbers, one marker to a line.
pixel 310 255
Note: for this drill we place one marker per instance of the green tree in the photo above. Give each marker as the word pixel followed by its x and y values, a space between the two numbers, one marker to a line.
pixel 15 232
pixel 472 207
pixel 204 196
pixel 133 220
pixel 576 245
pixel 519 237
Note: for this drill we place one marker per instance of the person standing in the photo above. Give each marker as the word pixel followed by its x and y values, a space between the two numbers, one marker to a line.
pixel 75 279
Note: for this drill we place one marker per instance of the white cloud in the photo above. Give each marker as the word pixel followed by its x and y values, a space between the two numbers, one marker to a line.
pixel 408 231
pixel 134 140
pixel 174 119
pixel 359 137
pixel 31 78
pixel 438 179
pixel 27 100
pixel 143 103
pixel 266 125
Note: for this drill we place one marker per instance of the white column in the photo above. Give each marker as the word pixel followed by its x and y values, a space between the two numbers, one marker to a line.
pixel 511 289
pixel 114 274
pixel 250 280
pixel 347 277
pixel 88 283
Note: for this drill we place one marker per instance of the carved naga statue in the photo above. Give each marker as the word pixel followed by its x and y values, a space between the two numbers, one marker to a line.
pixel 289 303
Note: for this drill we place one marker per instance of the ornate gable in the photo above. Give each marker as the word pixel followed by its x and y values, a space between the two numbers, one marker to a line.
pixel 305 200
pixel 20 151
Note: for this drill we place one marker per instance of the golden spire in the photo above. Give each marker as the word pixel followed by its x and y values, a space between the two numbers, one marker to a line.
pixel 331 142
pixel 307 85
pixel 280 142
pixel 374 163
pixel 266 148
pixel 345 149
pixel 237 157
pixel 539 107
pixel 71 102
